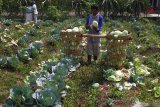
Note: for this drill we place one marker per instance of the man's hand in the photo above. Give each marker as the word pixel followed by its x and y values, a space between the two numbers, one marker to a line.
pixel 88 27
pixel 94 28
pixel 91 27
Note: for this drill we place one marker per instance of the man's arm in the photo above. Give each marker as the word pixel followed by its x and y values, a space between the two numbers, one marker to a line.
pixel 100 23
pixel 87 22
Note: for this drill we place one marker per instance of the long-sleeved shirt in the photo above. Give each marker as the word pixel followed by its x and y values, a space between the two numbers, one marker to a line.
pixel 100 21
pixel 89 21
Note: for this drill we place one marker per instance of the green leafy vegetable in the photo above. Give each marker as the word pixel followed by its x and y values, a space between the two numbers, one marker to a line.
pixel 24 54
pixel 3 62
pixel 157 92
pixel 13 61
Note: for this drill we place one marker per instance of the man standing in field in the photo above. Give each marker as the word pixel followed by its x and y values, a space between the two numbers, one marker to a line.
pixel 94 24
pixel 35 12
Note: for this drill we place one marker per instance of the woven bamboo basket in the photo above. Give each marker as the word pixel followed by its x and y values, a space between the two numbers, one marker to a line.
pixel 71 43
pixel 117 50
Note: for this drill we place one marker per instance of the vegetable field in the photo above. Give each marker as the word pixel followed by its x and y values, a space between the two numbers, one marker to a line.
pixel 34 71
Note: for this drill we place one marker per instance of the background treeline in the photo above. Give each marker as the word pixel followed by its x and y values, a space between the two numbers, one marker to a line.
pixel 54 9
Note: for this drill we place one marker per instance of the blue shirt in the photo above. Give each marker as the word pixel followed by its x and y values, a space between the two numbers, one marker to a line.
pixel 89 21
pixel 100 21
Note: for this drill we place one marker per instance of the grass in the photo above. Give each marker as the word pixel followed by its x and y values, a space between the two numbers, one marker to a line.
pixel 82 94
pixel 12 77
pixel 148 38
pixel 8 80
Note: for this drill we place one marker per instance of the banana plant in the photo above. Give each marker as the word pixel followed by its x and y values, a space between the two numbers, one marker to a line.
pixel 146 4
pixel 137 6
pixel 109 6
pixel 77 7
pixel 123 5
pixel 1 3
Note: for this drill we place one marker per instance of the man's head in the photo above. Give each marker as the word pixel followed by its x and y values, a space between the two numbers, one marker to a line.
pixel 94 9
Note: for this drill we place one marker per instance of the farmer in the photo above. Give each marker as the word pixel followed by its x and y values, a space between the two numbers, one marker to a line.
pixel 93 44
pixel 35 12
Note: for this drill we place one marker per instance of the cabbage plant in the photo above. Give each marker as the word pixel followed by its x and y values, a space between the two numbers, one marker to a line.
pixel 13 61
pixel 3 62
pixel 24 54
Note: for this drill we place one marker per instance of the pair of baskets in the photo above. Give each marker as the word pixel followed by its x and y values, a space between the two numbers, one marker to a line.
pixel 116 47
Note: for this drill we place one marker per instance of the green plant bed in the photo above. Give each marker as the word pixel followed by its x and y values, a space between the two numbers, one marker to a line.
pixel 10 77
pixel 82 93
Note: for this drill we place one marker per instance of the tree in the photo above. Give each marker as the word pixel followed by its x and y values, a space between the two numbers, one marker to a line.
pixel 146 4
pixel 123 6
pixel 109 6
pixel 0 6
pixel 137 7
pixel 12 6
pixel 77 6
